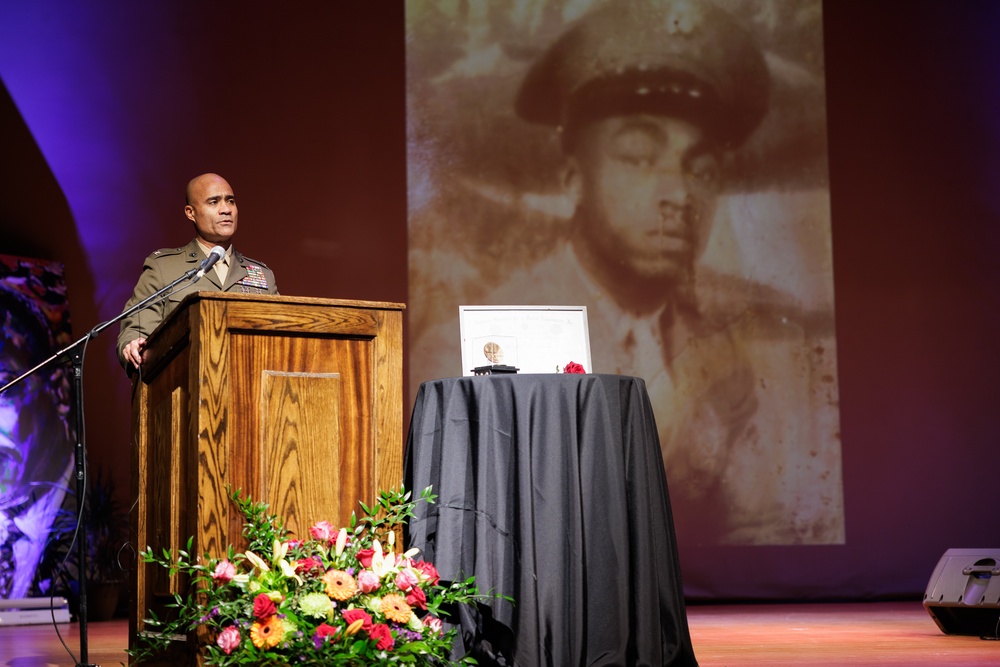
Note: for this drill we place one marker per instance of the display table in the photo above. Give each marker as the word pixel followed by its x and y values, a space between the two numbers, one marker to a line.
pixel 551 491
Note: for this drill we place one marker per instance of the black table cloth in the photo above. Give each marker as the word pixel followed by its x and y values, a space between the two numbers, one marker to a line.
pixel 551 490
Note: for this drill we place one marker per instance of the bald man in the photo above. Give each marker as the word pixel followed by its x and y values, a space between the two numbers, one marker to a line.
pixel 211 206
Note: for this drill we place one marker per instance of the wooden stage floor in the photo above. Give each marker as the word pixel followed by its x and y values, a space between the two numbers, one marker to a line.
pixel 886 634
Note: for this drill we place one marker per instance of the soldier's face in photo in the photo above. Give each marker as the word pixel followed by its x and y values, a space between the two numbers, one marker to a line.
pixel 647 187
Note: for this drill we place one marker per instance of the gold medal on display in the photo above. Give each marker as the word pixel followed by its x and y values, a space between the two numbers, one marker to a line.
pixel 493 352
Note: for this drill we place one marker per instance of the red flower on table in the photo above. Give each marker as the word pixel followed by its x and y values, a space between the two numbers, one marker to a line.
pixel 352 615
pixel 263 607
pixel 308 565
pixel 428 572
pixel 383 635
pixel 573 367
pixel 365 557
pixel 326 630
pixel 416 598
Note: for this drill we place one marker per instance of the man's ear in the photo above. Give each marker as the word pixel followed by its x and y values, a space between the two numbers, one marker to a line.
pixel 571 179
pixel 189 212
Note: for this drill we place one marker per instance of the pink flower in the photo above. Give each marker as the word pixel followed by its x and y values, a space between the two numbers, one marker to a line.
pixel 428 572
pixel 263 607
pixel 368 581
pixel 416 598
pixel 323 530
pixel 224 572
pixel 352 615
pixel 228 639
pixel 406 580
pixel 433 623
pixel 383 635
pixel 573 367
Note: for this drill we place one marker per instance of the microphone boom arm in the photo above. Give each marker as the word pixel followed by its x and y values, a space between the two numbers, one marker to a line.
pixel 93 333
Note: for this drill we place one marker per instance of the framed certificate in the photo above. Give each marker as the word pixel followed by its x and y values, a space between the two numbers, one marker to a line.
pixel 532 339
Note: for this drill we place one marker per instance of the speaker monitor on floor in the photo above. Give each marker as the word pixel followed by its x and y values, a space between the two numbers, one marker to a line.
pixel 963 595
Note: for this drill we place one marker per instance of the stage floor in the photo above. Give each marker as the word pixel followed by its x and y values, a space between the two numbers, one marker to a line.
pixel 886 634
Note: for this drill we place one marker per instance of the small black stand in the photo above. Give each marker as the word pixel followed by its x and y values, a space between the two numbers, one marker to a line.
pixel 74 351
pixel 495 369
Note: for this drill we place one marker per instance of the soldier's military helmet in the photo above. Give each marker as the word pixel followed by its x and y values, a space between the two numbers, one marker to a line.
pixel 681 58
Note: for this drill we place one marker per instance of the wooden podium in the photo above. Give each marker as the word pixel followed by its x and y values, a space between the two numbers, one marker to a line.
pixel 295 401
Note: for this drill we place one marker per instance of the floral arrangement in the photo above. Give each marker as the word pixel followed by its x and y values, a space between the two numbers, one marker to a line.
pixel 342 597
pixel 573 367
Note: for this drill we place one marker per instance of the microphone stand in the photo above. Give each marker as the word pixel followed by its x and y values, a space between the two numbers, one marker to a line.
pixel 75 354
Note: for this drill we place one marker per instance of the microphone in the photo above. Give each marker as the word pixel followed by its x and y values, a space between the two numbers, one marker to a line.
pixel 217 253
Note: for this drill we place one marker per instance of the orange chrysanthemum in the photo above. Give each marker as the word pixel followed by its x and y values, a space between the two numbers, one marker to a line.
pixel 267 634
pixel 340 585
pixel 395 608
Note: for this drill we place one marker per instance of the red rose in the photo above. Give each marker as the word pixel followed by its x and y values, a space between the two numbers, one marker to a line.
pixel 383 635
pixel 365 557
pixel 429 572
pixel 573 367
pixel 416 598
pixel 352 615
pixel 263 607
pixel 324 630
pixel 308 564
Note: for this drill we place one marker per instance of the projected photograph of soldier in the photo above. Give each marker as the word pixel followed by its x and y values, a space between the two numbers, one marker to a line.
pixel 36 455
pixel 673 181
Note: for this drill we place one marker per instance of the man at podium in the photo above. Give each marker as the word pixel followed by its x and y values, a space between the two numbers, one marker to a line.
pixel 211 206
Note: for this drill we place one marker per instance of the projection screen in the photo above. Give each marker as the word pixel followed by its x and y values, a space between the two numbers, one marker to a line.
pixel 665 165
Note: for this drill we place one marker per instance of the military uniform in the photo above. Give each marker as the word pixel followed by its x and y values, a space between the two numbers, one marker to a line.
pixel 166 265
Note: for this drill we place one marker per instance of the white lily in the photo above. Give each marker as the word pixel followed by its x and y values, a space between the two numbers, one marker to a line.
pixel 257 561
pixel 279 551
pixel 289 571
pixel 341 541
pixel 381 564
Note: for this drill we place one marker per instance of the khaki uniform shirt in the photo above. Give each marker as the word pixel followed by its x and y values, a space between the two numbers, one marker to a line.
pixel 166 265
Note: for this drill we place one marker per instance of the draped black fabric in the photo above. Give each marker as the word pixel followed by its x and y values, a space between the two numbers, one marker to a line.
pixel 551 490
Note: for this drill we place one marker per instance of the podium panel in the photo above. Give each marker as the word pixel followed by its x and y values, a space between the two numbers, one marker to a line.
pixel 294 401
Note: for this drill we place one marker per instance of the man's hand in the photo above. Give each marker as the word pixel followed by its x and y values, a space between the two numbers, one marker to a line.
pixel 133 351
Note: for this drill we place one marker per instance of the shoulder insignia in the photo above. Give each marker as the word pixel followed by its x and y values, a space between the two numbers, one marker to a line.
pixel 243 259
pixel 166 252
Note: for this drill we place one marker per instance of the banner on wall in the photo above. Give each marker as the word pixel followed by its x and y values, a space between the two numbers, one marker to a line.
pixel 36 438
pixel 664 164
